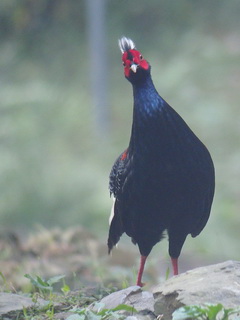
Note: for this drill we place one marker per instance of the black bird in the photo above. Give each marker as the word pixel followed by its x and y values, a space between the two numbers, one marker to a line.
pixel 164 180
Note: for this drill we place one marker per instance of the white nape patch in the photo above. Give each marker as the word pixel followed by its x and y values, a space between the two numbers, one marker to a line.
pixel 112 211
pixel 126 44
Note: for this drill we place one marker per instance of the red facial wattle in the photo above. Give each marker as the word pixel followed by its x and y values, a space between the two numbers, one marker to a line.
pixel 134 58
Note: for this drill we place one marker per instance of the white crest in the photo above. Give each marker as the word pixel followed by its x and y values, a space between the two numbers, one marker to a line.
pixel 126 44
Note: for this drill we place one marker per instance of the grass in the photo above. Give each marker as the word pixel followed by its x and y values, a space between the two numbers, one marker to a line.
pixel 77 304
pixel 207 312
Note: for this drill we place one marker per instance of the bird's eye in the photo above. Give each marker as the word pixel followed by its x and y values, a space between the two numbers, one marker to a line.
pixel 141 57
pixel 124 64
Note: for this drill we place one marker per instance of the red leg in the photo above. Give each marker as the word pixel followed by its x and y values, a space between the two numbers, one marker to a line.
pixel 175 266
pixel 140 272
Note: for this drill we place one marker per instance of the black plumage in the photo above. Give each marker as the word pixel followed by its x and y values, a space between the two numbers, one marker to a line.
pixel 164 180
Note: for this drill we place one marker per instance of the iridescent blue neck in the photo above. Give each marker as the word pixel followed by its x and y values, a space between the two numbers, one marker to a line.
pixel 147 115
pixel 146 98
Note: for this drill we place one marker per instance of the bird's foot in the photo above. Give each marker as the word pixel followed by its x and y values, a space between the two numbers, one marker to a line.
pixel 141 284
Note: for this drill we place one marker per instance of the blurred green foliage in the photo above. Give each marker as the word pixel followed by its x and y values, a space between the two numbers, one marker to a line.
pixel 54 168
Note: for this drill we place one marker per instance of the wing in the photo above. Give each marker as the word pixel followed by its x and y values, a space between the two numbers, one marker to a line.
pixel 118 178
pixel 118 174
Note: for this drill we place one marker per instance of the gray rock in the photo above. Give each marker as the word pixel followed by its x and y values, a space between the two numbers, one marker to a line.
pixel 214 284
pixel 63 315
pixel 140 316
pixel 133 296
pixel 11 302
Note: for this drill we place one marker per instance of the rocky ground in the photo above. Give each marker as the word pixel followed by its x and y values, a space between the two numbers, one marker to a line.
pixel 69 276
pixel 215 290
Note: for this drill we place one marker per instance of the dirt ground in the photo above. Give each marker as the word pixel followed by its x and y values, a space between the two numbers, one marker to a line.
pixel 73 252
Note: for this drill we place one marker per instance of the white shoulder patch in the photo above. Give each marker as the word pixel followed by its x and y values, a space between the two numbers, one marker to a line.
pixel 112 211
pixel 126 44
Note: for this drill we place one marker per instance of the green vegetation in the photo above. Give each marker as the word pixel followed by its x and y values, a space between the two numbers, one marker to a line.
pixel 76 303
pixel 207 312
pixel 45 287
pixel 102 314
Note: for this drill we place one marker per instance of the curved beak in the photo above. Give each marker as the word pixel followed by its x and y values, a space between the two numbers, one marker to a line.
pixel 134 67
